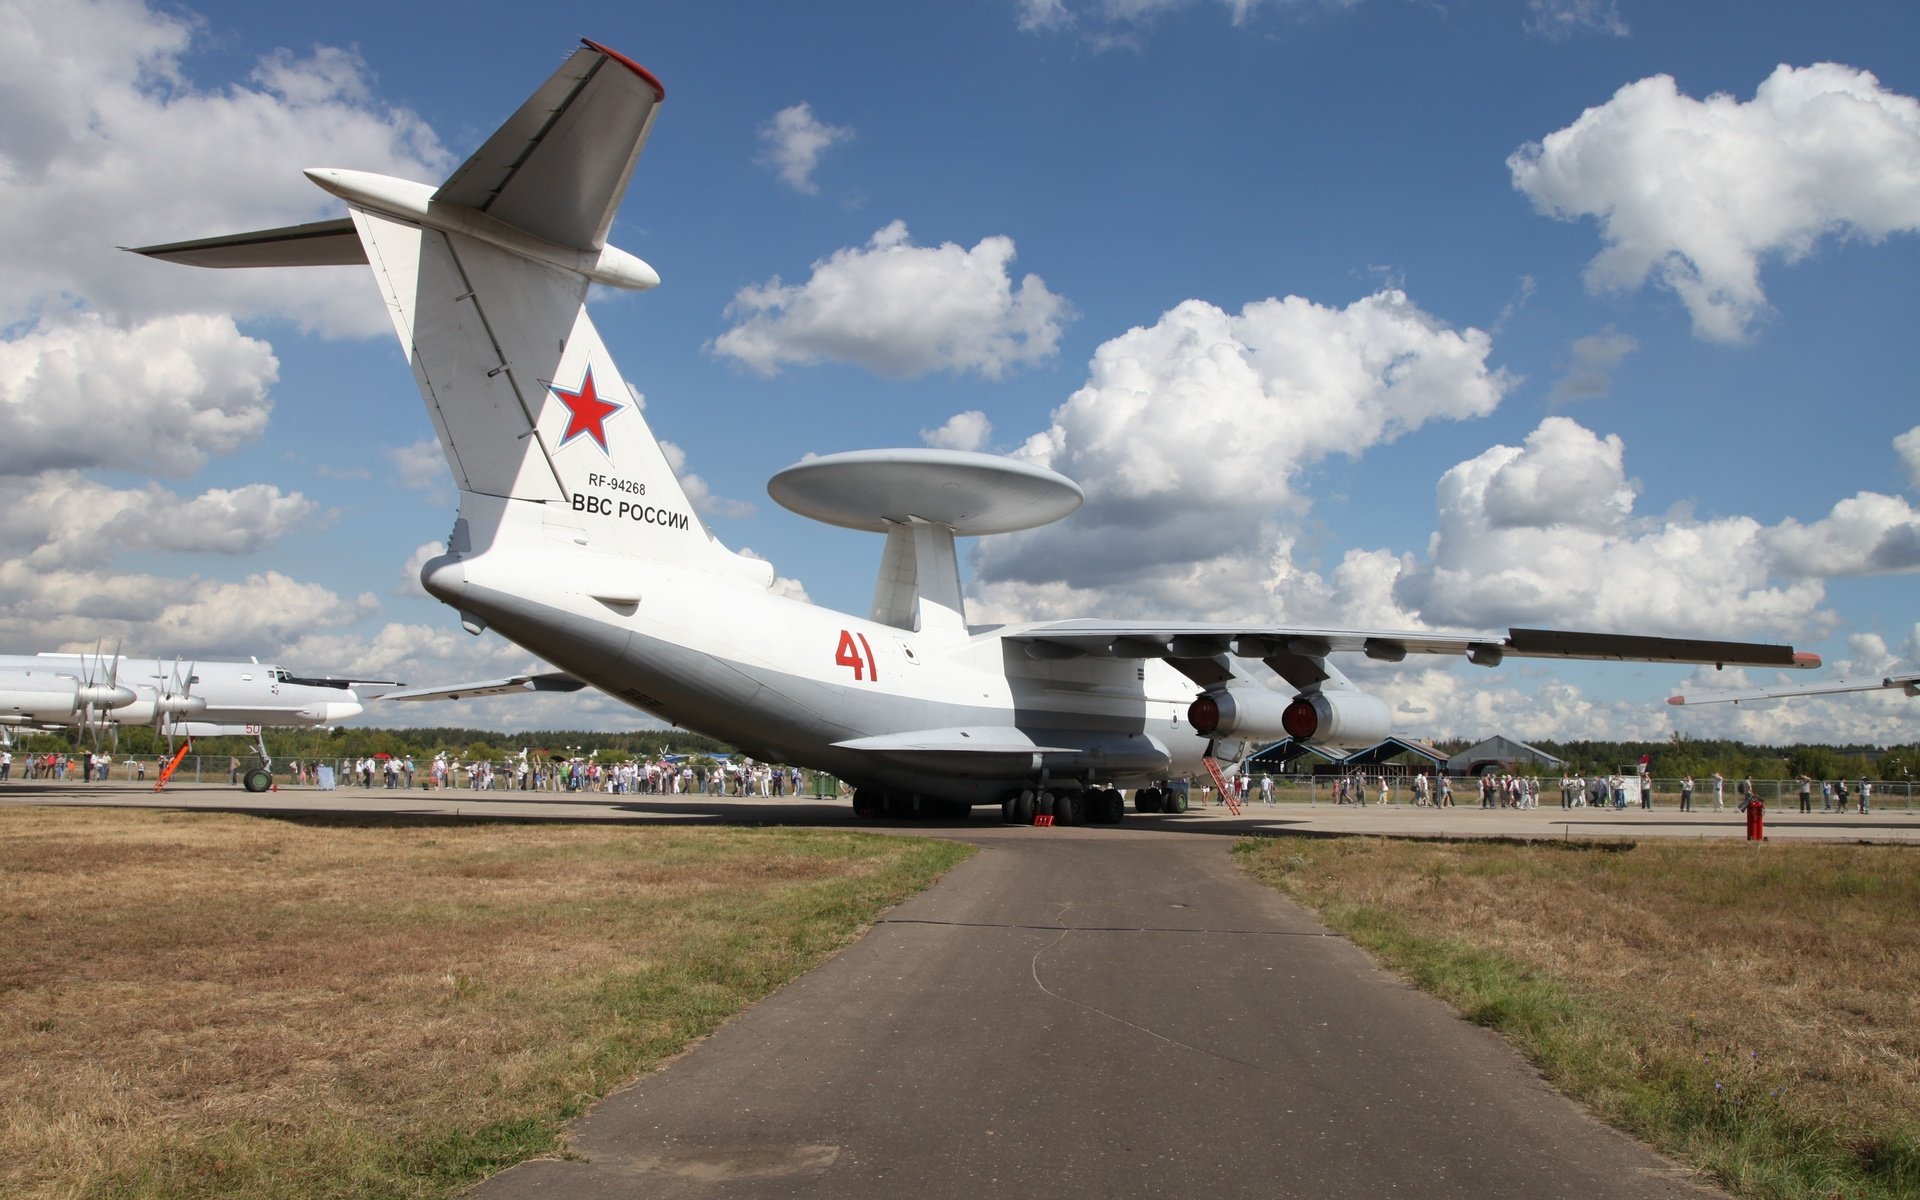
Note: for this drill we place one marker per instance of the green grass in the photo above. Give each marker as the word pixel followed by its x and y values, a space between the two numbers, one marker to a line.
pixel 1664 986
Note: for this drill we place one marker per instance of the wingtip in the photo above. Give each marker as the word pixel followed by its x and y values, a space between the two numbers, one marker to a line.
pixel 1805 659
pixel 653 81
pixel 1676 699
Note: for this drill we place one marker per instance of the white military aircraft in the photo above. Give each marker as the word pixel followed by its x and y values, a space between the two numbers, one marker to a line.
pixel 575 540
pixel 1908 682
pixel 180 699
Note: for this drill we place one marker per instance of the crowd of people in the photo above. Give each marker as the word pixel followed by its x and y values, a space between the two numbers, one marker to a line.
pixel 1599 790
pixel 530 772
pixel 94 767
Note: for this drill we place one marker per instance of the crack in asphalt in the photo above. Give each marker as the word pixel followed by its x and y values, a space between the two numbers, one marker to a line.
pixel 1034 968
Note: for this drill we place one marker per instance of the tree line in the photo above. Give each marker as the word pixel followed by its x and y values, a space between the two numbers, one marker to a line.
pixel 1701 757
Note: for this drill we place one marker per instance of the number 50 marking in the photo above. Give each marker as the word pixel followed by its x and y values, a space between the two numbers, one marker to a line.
pixel 847 654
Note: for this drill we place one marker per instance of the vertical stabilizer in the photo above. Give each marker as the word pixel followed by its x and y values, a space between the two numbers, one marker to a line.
pixel 527 403
pixel 486 280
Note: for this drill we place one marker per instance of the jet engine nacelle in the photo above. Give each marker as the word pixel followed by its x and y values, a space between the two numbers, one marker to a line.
pixel 1340 718
pixel 43 697
pixel 1239 712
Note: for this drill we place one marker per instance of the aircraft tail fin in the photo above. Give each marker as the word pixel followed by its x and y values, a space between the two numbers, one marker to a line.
pixel 486 280
pixel 528 404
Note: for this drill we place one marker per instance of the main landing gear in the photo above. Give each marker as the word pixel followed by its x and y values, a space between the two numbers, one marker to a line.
pixel 1097 806
pixel 1064 805
pixel 1153 800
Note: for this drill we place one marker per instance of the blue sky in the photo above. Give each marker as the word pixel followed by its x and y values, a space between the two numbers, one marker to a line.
pixel 1560 312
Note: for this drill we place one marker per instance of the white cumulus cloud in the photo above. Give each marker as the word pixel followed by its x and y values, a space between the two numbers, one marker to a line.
pixel 900 310
pixel 160 396
pixel 421 465
pixel 41 608
pixel 1696 194
pixel 793 141
pixel 107 142
pixel 60 519
pixel 1907 446
pixel 1190 434
pixel 1545 534
pixel 1865 534
pixel 963 431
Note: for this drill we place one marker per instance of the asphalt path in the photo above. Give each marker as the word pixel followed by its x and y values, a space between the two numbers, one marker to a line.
pixel 1095 1012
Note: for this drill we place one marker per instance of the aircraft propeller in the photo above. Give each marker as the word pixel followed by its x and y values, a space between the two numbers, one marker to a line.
pixel 176 699
pixel 97 699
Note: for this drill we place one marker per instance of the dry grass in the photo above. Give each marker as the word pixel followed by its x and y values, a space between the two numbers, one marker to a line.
pixel 1699 993
pixel 214 1004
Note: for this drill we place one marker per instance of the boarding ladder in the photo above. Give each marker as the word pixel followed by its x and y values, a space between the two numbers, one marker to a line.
pixel 1220 781
pixel 179 756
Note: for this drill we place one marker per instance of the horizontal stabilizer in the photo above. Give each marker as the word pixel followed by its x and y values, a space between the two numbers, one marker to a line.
pixel 332 243
pixel 561 163
pixel 557 681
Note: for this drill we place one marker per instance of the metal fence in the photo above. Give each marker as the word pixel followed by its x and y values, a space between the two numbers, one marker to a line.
pixel 1777 794
pixel 221 768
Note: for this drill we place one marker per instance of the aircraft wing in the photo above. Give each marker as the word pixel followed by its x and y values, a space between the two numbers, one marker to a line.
pixel 560 164
pixel 1292 651
pixel 1910 682
pixel 553 681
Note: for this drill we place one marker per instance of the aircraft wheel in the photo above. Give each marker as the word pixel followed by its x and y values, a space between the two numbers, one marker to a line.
pixel 257 779
pixel 1043 804
pixel 1066 809
pixel 1146 800
pixel 1023 809
pixel 1007 808
pixel 866 805
pixel 1113 807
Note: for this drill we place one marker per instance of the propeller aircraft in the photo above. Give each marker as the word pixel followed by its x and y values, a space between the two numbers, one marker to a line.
pixel 105 693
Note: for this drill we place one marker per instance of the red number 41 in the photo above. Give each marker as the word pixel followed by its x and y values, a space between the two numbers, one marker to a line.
pixel 848 655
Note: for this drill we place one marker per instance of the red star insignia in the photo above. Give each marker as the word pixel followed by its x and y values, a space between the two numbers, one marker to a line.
pixel 587 412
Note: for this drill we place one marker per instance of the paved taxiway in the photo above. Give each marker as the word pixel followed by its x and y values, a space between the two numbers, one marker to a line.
pixel 1080 1012
pixel 1093 1012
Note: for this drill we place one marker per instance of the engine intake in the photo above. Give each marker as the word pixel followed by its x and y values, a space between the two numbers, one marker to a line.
pixel 1239 712
pixel 1340 718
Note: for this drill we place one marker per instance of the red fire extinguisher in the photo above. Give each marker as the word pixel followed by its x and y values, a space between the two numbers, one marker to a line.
pixel 1756 819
